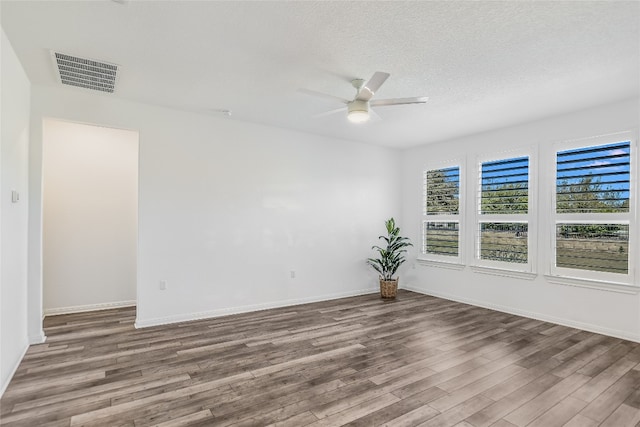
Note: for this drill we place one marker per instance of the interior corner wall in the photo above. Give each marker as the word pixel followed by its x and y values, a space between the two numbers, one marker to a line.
pixel 90 217
pixel 603 311
pixel 14 146
pixel 235 216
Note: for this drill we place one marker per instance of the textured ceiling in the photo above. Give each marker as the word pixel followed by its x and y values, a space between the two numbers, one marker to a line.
pixel 483 65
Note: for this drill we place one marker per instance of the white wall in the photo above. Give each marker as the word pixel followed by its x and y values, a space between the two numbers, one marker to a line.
pixel 608 312
pixel 228 209
pixel 14 146
pixel 90 204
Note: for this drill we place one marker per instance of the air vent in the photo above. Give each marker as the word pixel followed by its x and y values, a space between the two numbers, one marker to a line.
pixel 85 73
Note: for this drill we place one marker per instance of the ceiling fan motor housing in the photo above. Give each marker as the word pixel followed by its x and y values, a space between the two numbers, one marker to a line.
pixel 358 111
pixel 358 106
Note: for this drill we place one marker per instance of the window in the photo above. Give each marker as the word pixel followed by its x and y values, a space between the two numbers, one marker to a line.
pixel 594 211
pixel 441 214
pixel 503 218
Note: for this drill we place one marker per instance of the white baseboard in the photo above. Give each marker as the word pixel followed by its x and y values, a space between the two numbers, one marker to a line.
pixel 145 323
pixel 87 307
pixel 3 386
pixel 37 339
pixel 532 315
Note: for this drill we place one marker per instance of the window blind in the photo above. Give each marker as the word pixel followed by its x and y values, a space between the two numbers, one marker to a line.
pixel 442 191
pixel 504 241
pixel 504 186
pixel 441 213
pixel 593 179
pixel 593 247
pixel 441 238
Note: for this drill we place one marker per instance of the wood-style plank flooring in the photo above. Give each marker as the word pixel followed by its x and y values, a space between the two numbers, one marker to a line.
pixel 362 361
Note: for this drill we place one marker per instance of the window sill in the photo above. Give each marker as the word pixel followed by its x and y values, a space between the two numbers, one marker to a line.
pixel 593 284
pixel 440 264
pixel 504 272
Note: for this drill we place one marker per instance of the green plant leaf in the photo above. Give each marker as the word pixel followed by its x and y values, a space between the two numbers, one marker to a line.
pixel 390 257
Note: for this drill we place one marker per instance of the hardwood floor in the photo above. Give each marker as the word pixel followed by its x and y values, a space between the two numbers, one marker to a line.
pixel 359 361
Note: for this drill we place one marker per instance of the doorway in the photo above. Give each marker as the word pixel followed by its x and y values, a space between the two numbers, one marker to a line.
pixel 90 217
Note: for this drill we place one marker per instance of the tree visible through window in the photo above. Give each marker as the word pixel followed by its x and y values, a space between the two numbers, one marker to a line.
pixel 441 233
pixel 442 191
pixel 503 224
pixel 592 207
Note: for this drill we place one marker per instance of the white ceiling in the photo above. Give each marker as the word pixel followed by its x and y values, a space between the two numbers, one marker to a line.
pixel 483 65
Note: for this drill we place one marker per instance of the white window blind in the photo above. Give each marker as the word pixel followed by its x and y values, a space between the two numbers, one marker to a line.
pixel 441 213
pixel 593 211
pixel 442 191
pixel 441 238
pixel 504 241
pixel 505 186
pixel 503 213
pixel 594 247
pixel 593 179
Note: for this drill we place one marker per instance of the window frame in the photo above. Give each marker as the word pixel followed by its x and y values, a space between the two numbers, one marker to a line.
pixel 448 261
pixel 511 269
pixel 591 278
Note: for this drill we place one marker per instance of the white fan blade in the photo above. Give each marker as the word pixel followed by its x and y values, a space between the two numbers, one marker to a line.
pixel 324 95
pixel 398 101
pixel 328 113
pixel 375 117
pixel 369 89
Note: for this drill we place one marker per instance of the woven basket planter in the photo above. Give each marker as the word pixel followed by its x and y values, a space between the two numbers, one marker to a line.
pixel 388 288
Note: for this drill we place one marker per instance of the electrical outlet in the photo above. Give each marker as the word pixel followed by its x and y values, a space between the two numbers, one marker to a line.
pixel 292 273
pixel 163 285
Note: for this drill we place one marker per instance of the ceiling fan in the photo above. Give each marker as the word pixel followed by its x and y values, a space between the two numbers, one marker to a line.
pixel 358 109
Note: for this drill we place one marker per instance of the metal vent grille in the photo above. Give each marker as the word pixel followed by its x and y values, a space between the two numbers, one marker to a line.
pixel 86 73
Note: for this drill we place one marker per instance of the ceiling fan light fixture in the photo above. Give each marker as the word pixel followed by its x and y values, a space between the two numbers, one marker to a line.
pixel 358 116
pixel 358 111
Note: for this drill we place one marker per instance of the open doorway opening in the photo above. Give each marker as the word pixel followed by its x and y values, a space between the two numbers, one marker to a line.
pixel 90 217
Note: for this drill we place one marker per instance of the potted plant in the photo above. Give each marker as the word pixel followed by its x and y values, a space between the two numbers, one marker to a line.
pixel 390 258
